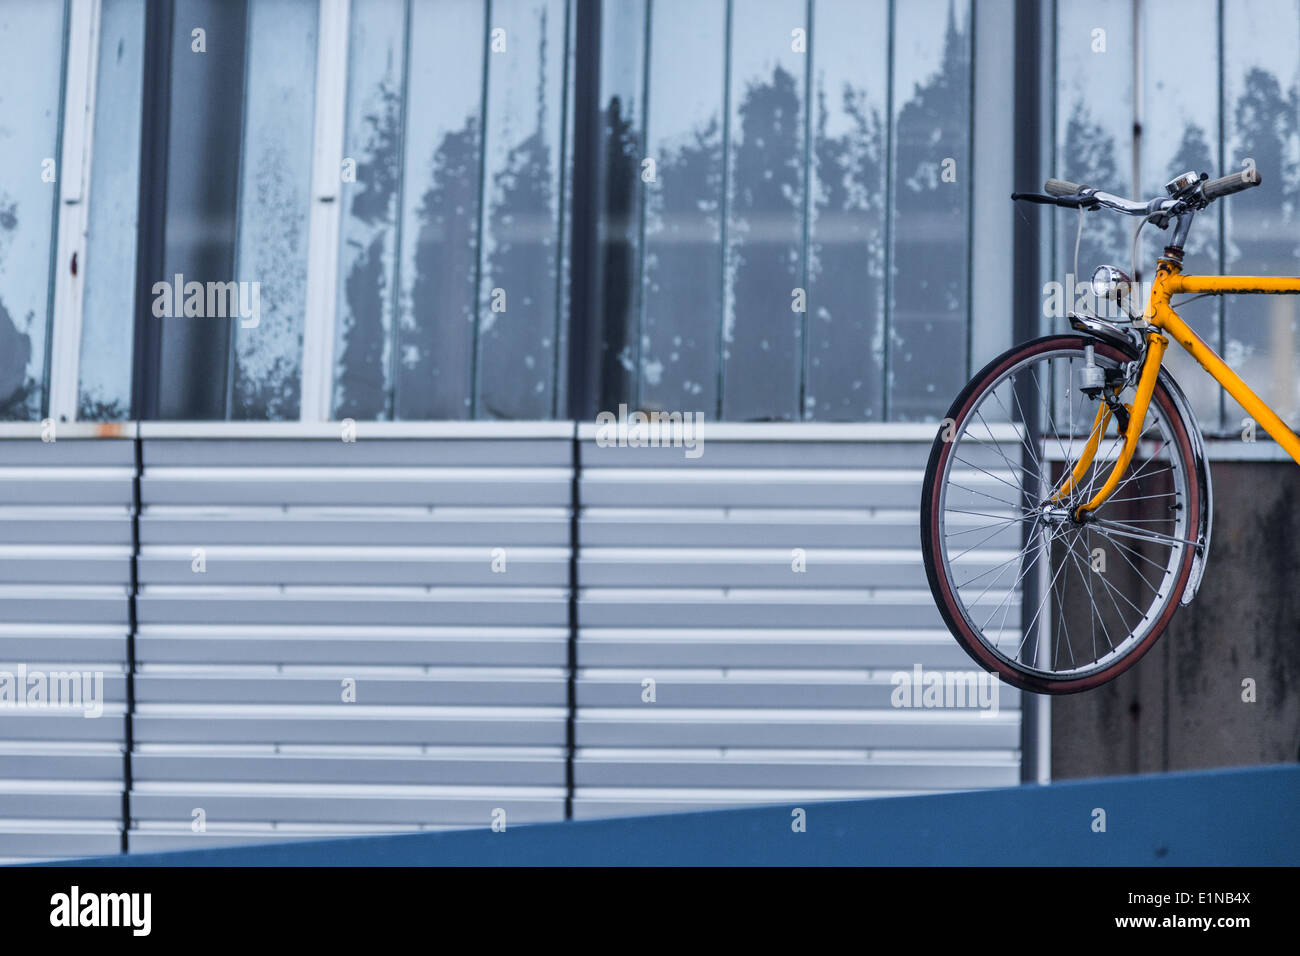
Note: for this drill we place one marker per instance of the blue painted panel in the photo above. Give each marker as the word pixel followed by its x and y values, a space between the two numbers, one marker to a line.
pixel 1223 817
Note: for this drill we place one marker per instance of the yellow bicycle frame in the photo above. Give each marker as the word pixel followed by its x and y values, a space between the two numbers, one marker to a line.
pixel 1162 318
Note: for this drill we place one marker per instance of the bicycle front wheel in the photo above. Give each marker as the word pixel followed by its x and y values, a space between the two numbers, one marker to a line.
pixel 1052 603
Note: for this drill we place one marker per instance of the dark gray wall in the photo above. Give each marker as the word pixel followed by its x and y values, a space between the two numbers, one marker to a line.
pixel 1181 707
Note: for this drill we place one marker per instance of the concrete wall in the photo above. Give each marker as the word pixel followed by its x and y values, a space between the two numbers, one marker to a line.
pixel 1181 707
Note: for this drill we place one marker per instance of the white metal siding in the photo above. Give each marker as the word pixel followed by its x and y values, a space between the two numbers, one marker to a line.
pixel 372 561
pixel 326 560
pixel 771 684
pixel 65 570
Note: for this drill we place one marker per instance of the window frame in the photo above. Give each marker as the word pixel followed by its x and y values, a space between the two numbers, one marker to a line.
pixel 76 129
pixel 325 216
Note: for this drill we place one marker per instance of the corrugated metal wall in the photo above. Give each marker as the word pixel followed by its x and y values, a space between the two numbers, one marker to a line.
pixel 345 658
pixel 769 588
pixel 348 637
pixel 65 582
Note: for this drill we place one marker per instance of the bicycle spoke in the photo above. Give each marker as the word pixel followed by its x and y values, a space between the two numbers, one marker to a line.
pixel 976 491
pixel 1118 527
pixel 980 597
pixel 1043 602
pixel 1015 488
pixel 1025 515
pixel 997 446
pixel 1007 521
pixel 1137 554
pixel 958 557
pixel 1014 584
pixel 1120 549
pixel 1026 442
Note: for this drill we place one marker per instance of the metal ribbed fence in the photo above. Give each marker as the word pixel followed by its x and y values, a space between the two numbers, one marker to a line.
pixel 347 636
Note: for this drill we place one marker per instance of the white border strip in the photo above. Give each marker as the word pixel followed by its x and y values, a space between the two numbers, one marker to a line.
pixel 1218 449
pixel 364 431
pixel 815 431
pixel 74 206
pixel 1234 449
pixel 35 431
pixel 323 241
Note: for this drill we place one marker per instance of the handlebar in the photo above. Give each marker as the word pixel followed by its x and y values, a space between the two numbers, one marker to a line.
pixel 1068 202
pixel 1232 183
pixel 1061 187
pixel 1195 195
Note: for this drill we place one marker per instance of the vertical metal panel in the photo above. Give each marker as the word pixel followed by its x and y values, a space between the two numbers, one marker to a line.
pixel 349 636
pixel 65 570
pixel 280 574
pixel 771 589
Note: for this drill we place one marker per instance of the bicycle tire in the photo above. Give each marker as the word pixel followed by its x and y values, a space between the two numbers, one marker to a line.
pixel 942 587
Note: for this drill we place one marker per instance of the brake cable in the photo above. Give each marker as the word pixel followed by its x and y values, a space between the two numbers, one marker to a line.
pixel 1133 260
pixel 1078 238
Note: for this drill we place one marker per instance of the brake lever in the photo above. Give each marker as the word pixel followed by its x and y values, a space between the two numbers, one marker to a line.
pixel 1067 202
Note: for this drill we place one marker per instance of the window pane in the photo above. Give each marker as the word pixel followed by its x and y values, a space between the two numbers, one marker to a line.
pixel 622 106
pixel 205 128
pixel 765 213
pixel 1260 99
pixel 519 291
pixel 108 305
pixel 372 151
pixel 846 295
pixel 31 60
pixel 440 212
pixel 1094 144
pixel 1180 133
pixel 682 278
pixel 560 407
pixel 274 206
pixel 931 218
pixel 1094 131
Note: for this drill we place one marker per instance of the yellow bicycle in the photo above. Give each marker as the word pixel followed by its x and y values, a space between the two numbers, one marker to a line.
pixel 1057 547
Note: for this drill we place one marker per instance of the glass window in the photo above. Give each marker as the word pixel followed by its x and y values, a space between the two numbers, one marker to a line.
pixel 785 208
pixel 1094 144
pixel 1262 226
pixel 204 132
pixel 682 271
pixel 519 289
pixel 762 329
pixel 929 261
pixel 372 157
pixel 274 206
pixel 238 230
pixel 1204 115
pixel 440 212
pixel 31 64
pixel 1180 132
pixel 619 230
pixel 765 233
pixel 560 404
pixel 449 284
pixel 108 302
pixel 1094 131
pixel 846 270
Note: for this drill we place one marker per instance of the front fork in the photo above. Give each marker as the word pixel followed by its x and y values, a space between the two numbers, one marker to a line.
pixel 1107 409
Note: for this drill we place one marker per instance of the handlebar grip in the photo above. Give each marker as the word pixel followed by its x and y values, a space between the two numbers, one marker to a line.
pixel 1233 183
pixel 1060 187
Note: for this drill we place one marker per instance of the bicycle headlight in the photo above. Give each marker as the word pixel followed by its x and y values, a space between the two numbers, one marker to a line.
pixel 1111 285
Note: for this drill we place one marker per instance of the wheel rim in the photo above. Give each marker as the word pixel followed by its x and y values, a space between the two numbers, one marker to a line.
pixel 1099 589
